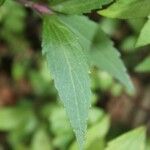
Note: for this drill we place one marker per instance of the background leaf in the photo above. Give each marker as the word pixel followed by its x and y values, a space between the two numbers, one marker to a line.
pixel 104 55
pixel 125 9
pixel 144 66
pixel 41 140
pixel 144 37
pixel 95 135
pixel 79 6
pixel 133 140
pixel 68 67
pixel 14 117
pixel 1 2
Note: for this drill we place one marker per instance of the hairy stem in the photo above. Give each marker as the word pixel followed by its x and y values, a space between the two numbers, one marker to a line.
pixel 41 8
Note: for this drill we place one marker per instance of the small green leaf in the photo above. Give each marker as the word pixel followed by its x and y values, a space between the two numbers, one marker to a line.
pixel 41 140
pixel 144 37
pixel 79 6
pixel 69 70
pixel 133 140
pixel 1 2
pixel 125 9
pixel 144 66
pixel 9 118
pixel 106 57
pixel 102 53
pixel 95 135
pixel 12 117
pixel 148 144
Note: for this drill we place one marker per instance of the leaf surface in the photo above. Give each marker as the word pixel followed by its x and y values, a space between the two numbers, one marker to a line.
pixel 125 9
pixel 41 140
pixel 99 48
pixel 133 140
pixel 1 2
pixel 69 70
pixel 96 135
pixel 144 37
pixel 144 66
pixel 79 6
pixel 105 56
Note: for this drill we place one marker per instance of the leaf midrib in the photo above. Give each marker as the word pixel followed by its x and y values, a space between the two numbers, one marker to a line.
pixel 71 77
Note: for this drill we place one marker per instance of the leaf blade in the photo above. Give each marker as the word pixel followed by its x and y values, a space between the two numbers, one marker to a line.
pixel 105 56
pixel 134 139
pixel 125 9
pixel 144 66
pixel 104 47
pixel 79 6
pixel 144 37
pixel 70 72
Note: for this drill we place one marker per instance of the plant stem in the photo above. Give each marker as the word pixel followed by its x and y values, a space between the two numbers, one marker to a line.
pixel 41 8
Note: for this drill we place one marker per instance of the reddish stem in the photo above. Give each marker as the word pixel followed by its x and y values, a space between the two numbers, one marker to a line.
pixel 41 8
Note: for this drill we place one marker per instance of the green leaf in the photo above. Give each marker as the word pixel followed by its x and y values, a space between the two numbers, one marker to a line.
pixel 144 66
pixel 69 70
pixel 1 2
pixel 41 140
pixel 55 2
pixel 148 144
pixel 96 135
pixel 79 6
pixel 59 122
pixel 105 56
pixel 144 37
pixel 126 9
pixel 102 53
pixel 9 118
pixel 80 26
pixel 133 140
pixel 12 117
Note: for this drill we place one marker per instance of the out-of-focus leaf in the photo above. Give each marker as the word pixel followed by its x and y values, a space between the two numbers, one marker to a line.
pixel 126 9
pixel 95 115
pixel 104 55
pixel 128 45
pixel 59 122
pixel 133 140
pixel 144 66
pixel 9 118
pixel 12 17
pixel 148 144
pixel 136 24
pixel 62 142
pixel 144 37
pixel 14 22
pixel 1 2
pixel 41 140
pixel 96 135
pixel 100 53
pixel 24 130
pixel 79 6
pixel 116 90
pixel 69 70
pixel 12 117
pixel 109 26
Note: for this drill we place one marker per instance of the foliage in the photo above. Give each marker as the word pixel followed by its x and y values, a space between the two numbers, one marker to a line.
pixel 81 59
pixel 128 141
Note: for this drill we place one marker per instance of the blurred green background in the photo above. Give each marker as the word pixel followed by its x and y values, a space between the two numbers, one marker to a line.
pixel 31 116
